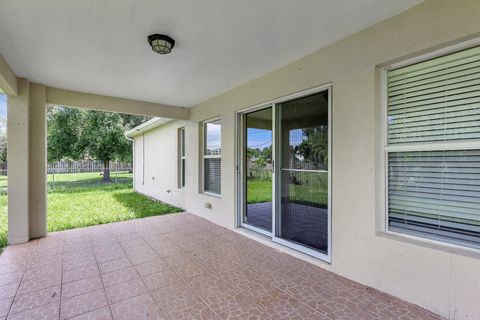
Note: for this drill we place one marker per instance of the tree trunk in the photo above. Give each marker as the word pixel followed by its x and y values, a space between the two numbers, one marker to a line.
pixel 106 171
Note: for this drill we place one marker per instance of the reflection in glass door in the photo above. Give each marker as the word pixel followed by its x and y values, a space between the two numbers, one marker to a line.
pixel 258 167
pixel 302 217
pixel 285 172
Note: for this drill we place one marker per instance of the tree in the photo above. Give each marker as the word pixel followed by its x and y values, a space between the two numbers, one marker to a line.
pixel 131 121
pixel 3 149
pixel 79 134
pixel 253 153
pixel 267 154
pixel 65 127
pixel 103 139
pixel 314 147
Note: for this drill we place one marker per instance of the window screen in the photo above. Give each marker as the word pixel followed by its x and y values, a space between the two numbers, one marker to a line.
pixel 212 152
pixel 434 191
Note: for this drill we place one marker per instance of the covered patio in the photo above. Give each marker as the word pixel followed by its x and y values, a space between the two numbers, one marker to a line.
pixel 373 108
pixel 168 267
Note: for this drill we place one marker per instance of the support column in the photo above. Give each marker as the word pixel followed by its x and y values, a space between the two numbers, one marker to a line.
pixel 18 164
pixel 38 161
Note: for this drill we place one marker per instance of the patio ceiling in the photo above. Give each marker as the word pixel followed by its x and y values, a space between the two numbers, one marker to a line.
pixel 100 46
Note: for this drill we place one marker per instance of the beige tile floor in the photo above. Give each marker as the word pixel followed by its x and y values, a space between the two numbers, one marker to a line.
pixel 177 267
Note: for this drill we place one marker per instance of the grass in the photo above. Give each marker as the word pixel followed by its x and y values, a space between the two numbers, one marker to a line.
pixel 3 184
pixel 82 199
pixel 259 191
pixel 88 181
pixel 3 221
pixel 311 191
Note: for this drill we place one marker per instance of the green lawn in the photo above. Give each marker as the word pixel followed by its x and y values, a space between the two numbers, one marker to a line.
pixel 3 184
pixel 259 191
pixel 82 199
pixel 312 190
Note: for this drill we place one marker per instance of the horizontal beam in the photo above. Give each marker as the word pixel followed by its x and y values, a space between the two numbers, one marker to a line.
pixel 8 79
pixel 84 100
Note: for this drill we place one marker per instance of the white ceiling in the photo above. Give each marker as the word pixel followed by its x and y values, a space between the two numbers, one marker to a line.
pixel 100 46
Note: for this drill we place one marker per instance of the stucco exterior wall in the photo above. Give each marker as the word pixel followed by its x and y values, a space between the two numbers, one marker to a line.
pixel 138 161
pixel 155 164
pixel 444 280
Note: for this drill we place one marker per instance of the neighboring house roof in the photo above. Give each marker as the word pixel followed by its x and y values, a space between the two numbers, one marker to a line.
pixel 147 126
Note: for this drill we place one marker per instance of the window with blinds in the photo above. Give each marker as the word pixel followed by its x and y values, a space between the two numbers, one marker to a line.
pixel 433 148
pixel 212 154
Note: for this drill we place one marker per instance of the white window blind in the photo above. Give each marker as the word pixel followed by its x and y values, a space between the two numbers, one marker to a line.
pixel 435 191
pixel 212 153
pixel 436 100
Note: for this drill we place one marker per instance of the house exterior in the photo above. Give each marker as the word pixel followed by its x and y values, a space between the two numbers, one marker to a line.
pixel 366 150
pixel 199 164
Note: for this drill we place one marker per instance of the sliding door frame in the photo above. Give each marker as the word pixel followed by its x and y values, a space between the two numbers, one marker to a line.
pixel 240 165
pixel 240 170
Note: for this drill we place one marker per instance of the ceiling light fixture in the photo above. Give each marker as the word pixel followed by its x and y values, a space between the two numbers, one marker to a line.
pixel 161 43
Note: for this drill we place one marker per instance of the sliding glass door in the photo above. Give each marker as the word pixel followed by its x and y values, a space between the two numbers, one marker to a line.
pixel 258 167
pixel 285 172
pixel 303 181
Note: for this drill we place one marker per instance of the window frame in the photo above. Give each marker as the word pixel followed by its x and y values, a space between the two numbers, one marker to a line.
pixel 382 203
pixel 203 145
pixel 181 158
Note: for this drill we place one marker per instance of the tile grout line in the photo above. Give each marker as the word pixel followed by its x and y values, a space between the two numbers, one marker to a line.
pixel 346 299
pixel 169 268
pixel 278 288
pixel 21 280
pixel 203 265
pixel 61 282
pixel 196 293
pixel 256 277
pixel 101 279
pixel 141 278
pixel 61 287
pixel 183 280
pixel 34 292
pixel 204 302
pixel 100 275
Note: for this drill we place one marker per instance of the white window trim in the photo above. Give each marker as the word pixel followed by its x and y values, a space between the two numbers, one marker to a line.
pixel 204 156
pixel 382 228
pixel 143 158
pixel 240 170
pixel 180 167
